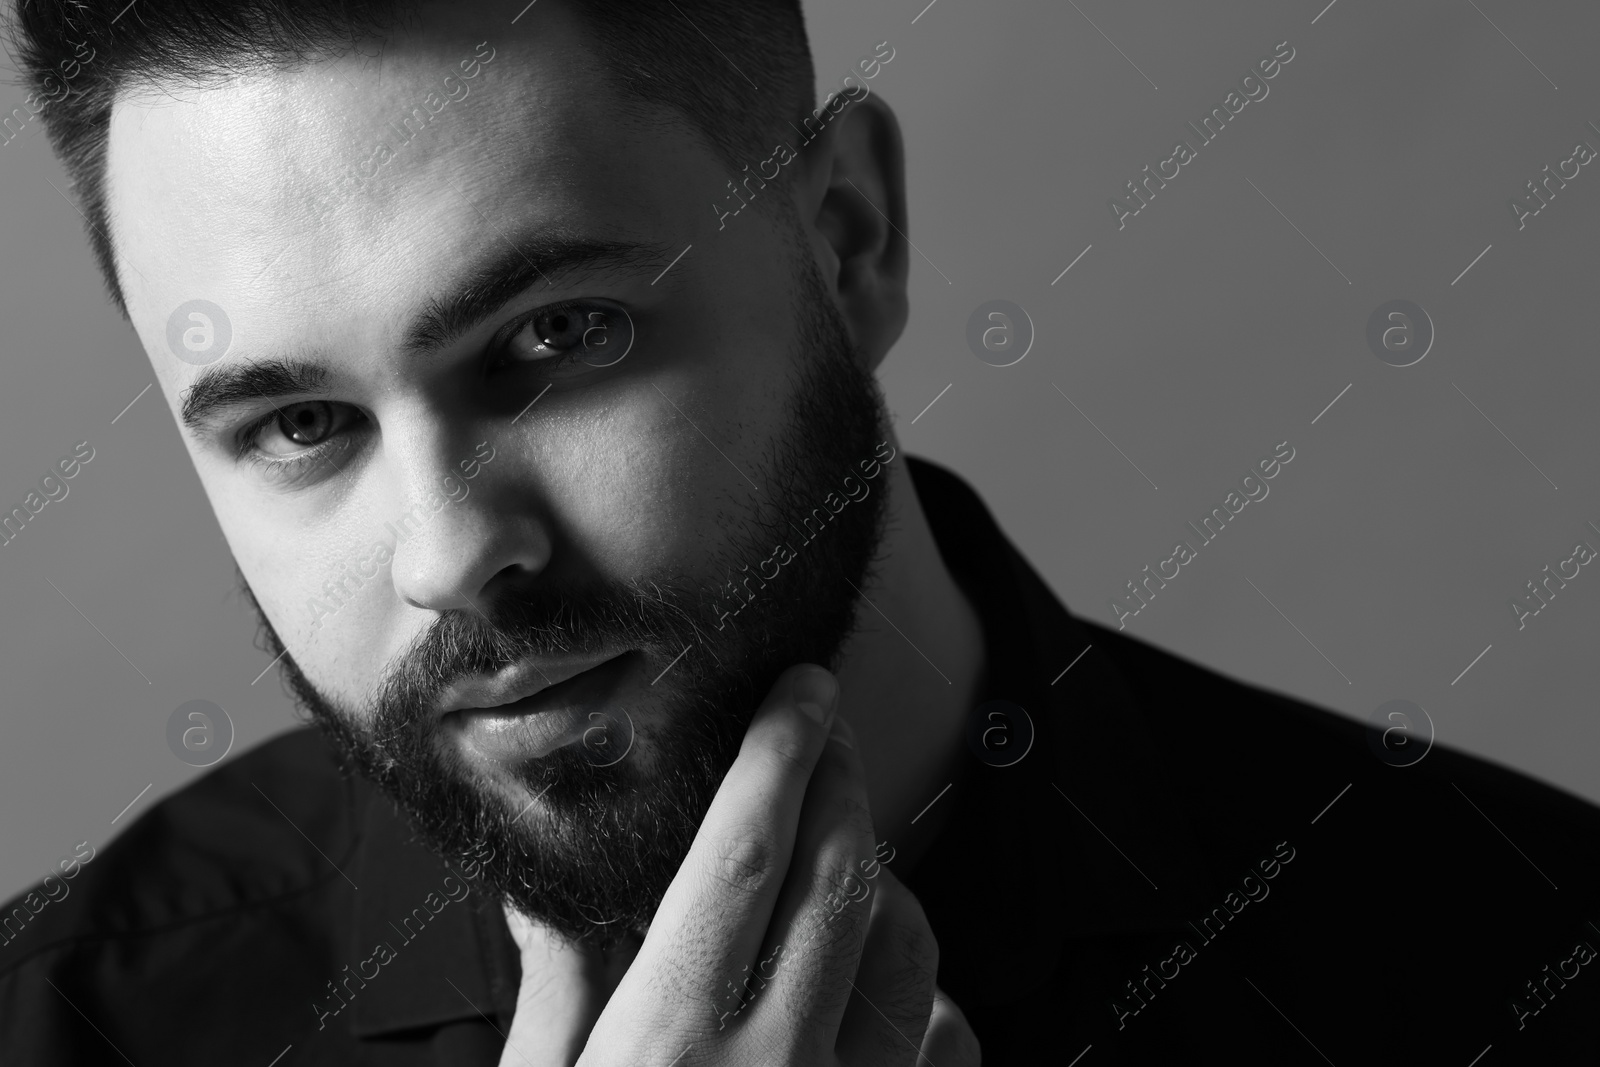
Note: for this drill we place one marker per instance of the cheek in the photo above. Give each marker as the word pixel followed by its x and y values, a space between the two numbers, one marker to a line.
pixel 624 487
pixel 650 489
pixel 287 561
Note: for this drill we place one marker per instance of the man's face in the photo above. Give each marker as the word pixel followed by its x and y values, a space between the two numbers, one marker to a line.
pixel 529 500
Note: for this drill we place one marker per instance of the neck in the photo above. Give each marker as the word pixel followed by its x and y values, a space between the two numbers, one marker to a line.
pixel 909 675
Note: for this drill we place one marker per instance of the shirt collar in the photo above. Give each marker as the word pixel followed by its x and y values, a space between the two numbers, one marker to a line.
pixel 1080 838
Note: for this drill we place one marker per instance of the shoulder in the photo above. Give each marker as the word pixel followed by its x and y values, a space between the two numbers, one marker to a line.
pixel 1238 749
pixel 1451 876
pixel 262 829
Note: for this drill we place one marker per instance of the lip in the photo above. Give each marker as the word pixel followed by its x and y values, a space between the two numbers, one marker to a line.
pixel 543 713
pixel 514 684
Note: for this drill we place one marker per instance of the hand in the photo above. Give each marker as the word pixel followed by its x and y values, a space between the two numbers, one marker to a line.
pixel 772 945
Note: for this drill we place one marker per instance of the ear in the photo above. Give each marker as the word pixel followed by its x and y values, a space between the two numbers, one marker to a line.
pixel 852 202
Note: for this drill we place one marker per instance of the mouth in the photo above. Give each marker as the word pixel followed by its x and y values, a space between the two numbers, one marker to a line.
pixel 526 712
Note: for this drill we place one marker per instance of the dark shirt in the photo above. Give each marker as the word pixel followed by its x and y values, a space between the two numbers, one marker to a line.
pixel 1180 868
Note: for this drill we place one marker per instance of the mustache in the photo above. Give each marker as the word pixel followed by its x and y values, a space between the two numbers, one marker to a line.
pixel 537 622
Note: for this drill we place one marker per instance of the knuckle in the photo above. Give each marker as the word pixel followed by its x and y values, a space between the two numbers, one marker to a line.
pixel 788 754
pixel 836 878
pixel 915 944
pixel 840 916
pixel 835 933
pixel 747 861
pixel 902 933
pixel 905 975
pixel 857 817
pixel 890 1046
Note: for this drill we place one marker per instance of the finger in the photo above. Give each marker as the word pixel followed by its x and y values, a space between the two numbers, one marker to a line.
pixel 558 995
pixel 822 916
pixel 714 914
pixel 950 1041
pixel 893 993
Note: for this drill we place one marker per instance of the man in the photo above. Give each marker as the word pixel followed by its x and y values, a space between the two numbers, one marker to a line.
pixel 692 722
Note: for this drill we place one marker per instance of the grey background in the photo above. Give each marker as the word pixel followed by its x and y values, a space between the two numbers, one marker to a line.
pixel 1196 339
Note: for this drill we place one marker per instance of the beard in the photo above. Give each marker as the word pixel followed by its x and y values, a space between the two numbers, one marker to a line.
pixel 607 824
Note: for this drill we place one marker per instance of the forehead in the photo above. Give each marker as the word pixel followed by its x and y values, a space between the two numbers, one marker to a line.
pixel 290 197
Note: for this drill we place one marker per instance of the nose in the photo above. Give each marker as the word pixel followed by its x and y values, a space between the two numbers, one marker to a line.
pixel 467 525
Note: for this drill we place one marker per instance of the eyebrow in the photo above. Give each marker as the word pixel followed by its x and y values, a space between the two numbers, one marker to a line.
pixel 512 268
pixel 220 388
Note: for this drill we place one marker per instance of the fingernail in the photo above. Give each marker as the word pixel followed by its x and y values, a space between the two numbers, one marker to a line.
pixel 816 693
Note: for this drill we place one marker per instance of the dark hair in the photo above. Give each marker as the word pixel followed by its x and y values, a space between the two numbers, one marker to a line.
pixel 739 71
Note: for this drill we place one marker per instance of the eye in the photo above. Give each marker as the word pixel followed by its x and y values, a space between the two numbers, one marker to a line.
pixel 597 333
pixel 295 428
